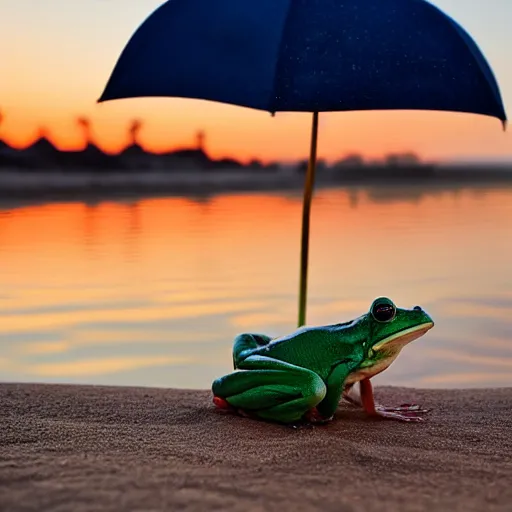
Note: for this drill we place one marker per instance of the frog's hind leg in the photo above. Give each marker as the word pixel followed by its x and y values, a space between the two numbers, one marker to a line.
pixel 246 343
pixel 270 389
pixel 243 346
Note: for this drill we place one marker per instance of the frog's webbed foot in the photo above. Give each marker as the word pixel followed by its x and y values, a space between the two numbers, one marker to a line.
pixel 400 413
pixel 404 412
pixel 310 419
pixel 406 408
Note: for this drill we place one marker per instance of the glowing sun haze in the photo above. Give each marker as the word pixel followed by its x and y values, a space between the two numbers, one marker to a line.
pixel 58 55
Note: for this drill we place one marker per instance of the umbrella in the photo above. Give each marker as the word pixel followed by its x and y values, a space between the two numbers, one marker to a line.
pixel 308 56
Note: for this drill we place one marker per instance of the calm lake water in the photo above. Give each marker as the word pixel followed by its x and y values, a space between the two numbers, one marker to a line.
pixel 152 292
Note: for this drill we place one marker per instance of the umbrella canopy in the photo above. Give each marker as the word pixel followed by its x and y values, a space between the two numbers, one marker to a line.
pixel 308 55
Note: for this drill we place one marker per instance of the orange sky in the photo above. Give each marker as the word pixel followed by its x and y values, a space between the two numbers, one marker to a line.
pixel 61 54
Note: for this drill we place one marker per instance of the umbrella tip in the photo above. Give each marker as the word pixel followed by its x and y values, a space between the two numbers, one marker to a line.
pixel 102 98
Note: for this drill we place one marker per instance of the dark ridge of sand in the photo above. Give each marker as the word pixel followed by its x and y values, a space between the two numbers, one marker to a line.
pixel 84 448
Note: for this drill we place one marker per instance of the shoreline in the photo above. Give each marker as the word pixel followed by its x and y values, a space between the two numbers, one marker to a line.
pixel 104 448
pixel 20 188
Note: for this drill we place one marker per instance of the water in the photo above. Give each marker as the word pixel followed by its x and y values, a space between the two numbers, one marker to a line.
pixel 152 292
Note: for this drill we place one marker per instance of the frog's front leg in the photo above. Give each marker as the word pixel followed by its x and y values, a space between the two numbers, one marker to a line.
pixel 270 389
pixel 351 396
pixel 335 386
pixel 405 412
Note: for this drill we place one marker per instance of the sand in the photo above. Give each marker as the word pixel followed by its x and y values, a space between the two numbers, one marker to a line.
pixel 84 448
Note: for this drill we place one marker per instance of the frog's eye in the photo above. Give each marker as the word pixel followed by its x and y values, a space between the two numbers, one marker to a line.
pixel 384 312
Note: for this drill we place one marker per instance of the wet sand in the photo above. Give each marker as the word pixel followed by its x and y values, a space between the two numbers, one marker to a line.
pixel 84 448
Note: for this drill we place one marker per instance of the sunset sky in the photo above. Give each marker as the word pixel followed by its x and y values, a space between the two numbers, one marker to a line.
pixel 58 54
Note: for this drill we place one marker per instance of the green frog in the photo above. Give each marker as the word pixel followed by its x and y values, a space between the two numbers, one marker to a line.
pixel 303 376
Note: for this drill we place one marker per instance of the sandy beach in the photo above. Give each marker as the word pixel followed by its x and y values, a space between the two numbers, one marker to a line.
pixel 85 448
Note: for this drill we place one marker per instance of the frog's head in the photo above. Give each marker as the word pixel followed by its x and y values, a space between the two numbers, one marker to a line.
pixel 390 329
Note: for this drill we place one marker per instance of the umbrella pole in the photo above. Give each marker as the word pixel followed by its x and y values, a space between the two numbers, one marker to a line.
pixel 306 213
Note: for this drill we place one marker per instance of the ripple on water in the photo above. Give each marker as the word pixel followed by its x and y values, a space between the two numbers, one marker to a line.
pixel 153 292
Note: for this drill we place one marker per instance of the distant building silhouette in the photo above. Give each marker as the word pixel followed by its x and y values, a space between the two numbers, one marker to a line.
pixel 351 160
pixel 91 156
pixel 41 153
pixel 403 159
pixel 186 159
pixel 303 166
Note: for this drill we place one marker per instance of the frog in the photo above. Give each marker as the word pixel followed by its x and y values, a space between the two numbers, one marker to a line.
pixel 303 376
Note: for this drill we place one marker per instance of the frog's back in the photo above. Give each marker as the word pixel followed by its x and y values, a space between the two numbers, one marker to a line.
pixel 315 348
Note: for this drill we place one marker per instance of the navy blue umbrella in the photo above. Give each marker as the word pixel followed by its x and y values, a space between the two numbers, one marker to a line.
pixel 310 56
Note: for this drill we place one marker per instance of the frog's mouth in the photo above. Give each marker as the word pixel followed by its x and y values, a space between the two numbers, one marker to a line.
pixel 402 338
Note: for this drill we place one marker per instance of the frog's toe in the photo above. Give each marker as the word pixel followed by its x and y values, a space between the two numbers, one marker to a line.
pixel 224 405
pixel 407 408
pixel 220 403
pixel 396 413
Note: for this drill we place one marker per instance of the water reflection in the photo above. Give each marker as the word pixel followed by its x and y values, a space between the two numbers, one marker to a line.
pixel 152 291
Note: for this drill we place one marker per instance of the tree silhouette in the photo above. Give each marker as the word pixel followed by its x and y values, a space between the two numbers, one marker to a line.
pixel 200 140
pixel 134 130
pixel 42 133
pixel 85 125
pixel 2 143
